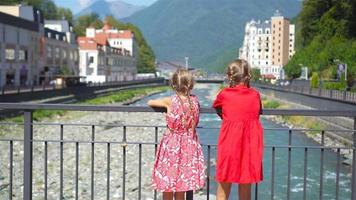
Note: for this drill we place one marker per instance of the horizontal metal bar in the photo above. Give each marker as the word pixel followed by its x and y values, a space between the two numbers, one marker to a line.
pixel 206 110
pixel 153 126
pixel 154 143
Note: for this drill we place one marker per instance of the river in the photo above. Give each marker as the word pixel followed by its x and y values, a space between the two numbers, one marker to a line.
pixel 277 135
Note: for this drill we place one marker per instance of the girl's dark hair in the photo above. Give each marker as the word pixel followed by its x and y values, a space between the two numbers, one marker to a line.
pixel 238 71
pixel 182 81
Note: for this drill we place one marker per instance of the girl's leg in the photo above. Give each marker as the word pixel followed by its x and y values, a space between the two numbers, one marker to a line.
pixel 223 191
pixel 179 195
pixel 167 195
pixel 244 191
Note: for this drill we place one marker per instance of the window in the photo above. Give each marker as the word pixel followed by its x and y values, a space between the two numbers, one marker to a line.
pixel 64 54
pixel 57 52
pixel 23 55
pixel 91 59
pixel 10 54
pixel 266 62
pixel 49 52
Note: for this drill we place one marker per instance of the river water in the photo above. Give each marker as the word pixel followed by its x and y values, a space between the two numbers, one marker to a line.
pixel 274 135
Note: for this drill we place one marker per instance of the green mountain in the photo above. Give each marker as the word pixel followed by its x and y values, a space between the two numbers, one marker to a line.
pixel 209 32
pixel 117 8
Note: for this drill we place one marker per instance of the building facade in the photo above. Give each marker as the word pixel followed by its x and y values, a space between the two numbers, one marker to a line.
pixel 20 44
pixel 61 54
pixel 107 55
pixel 32 49
pixel 268 45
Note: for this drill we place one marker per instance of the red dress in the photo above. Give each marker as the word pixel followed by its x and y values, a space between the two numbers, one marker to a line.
pixel 179 164
pixel 240 143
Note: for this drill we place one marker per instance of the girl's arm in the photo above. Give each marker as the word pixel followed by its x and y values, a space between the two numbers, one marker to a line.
pixel 163 103
pixel 218 104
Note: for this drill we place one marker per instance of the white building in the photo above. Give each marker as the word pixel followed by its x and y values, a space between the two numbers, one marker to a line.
pixel 268 45
pixel 103 58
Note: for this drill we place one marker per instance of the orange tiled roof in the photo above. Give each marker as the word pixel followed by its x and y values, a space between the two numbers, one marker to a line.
pixel 87 43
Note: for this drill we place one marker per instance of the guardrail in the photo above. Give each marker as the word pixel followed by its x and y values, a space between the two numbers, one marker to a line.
pixel 124 143
pixel 25 89
pixel 343 96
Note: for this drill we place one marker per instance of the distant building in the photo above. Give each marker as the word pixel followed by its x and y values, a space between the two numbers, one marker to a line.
pixel 268 45
pixel 61 52
pixel 21 28
pixel 32 49
pixel 107 54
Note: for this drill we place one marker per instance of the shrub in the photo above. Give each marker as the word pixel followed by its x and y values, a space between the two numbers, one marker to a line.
pixel 314 81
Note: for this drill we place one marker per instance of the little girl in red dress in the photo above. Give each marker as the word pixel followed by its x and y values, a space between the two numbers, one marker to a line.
pixel 179 164
pixel 240 143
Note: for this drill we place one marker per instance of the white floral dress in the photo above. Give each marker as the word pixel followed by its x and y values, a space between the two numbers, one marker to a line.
pixel 179 164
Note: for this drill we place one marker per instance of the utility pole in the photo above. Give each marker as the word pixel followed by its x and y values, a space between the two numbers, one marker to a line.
pixel 186 63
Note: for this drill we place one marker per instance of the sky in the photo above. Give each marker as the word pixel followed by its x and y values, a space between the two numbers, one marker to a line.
pixel 78 5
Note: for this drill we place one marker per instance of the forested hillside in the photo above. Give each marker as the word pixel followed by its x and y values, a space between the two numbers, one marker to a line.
pixel 326 36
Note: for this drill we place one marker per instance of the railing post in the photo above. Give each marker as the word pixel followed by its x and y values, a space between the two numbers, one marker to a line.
pixel 189 195
pixel 353 186
pixel 27 173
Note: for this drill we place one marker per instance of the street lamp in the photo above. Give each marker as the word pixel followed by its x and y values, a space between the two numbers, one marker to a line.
pixel 186 63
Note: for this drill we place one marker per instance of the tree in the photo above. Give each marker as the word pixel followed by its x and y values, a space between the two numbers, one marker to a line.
pixel 293 71
pixel 256 74
pixel 85 21
pixel 65 13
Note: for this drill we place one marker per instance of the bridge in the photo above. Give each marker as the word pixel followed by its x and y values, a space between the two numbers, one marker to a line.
pixel 120 143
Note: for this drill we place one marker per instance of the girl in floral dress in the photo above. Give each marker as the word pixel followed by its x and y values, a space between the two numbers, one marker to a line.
pixel 179 164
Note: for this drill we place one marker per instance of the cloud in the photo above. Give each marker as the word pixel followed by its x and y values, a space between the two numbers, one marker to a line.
pixel 84 3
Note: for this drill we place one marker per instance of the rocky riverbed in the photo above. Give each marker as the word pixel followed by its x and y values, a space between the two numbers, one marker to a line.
pixel 108 128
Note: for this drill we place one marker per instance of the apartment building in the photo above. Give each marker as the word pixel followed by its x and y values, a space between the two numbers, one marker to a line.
pixel 268 45
pixel 33 50
pixel 20 45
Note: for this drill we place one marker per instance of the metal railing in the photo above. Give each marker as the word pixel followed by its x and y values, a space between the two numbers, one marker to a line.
pixel 123 143
pixel 344 96
pixel 25 89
